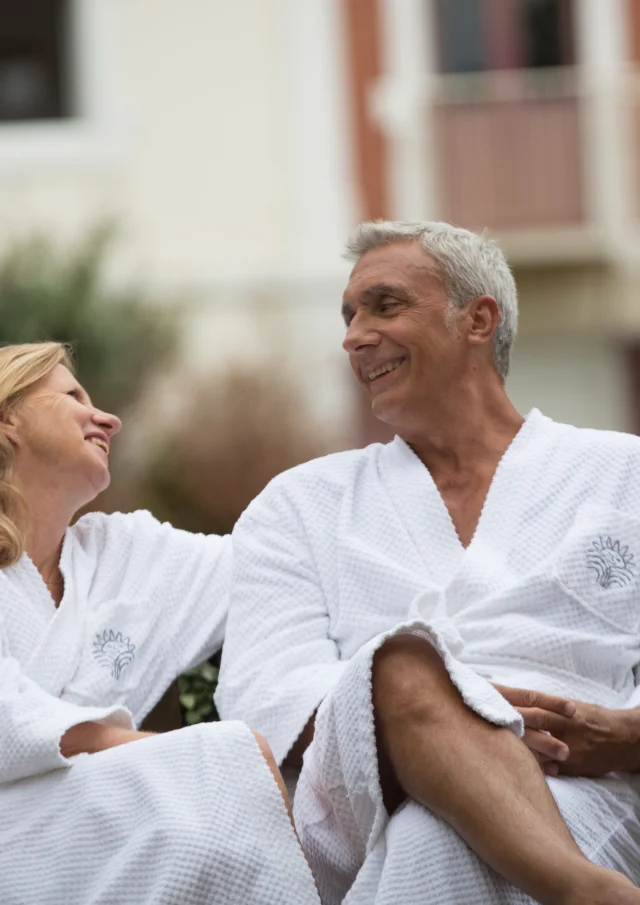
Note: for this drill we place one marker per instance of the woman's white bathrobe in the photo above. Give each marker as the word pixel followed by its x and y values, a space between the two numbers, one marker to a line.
pixel 192 817
pixel 338 553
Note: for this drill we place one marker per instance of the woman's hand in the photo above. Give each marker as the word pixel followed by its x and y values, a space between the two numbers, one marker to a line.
pixel 576 738
pixel 89 738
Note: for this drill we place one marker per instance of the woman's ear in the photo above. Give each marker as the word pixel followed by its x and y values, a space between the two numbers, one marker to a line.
pixel 8 426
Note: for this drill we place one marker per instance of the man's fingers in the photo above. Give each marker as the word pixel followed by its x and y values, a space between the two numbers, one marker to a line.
pixel 545 746
pixel 526 697
pixel 549 767
pixel 544 720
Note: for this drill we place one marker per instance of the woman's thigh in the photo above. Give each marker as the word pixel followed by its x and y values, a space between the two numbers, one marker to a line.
pixel 190 817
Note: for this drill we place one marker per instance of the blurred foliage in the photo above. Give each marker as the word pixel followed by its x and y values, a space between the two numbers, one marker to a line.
pixel 196 688
pixel 50 294
pixel 235 434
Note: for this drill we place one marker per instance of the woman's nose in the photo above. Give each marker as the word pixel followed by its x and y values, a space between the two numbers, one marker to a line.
pixel 111 424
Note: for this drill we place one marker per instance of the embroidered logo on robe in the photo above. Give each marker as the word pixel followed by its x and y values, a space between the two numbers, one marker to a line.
pixel 113 651
pixel 613 564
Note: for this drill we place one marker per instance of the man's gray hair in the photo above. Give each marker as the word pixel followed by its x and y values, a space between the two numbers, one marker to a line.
pixel 470 266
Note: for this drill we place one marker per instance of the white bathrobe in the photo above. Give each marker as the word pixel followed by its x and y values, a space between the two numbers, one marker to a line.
pixel 192 817
pixel 337 553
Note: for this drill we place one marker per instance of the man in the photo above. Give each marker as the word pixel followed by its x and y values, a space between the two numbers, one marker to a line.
pixel 416 607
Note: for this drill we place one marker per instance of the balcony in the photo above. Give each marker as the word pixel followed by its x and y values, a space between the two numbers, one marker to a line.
pixel 509 150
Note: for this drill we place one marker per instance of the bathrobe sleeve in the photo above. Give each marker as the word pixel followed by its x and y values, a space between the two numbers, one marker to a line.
pixel 164 591
pixel 32 722
pixel 278 660
pixel 197 583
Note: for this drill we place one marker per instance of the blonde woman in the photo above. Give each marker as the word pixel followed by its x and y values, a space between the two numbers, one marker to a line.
pixel 96 620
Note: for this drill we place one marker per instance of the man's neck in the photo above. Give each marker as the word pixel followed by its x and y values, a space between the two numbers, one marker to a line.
pixel 467 438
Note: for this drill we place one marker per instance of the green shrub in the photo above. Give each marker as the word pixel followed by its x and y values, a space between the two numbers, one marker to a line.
pixel 47 293
pixel 196 688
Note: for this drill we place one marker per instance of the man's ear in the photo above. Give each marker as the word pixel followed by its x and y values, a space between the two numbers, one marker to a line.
pixel 484 317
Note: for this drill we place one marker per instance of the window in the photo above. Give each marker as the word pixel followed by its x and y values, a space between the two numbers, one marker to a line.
pixel 33 77
pixel 461 24
pixel 479 35
pixel 547 31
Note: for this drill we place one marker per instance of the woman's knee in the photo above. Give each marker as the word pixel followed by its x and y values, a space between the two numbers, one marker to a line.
pixel 267 753
pixel 265 750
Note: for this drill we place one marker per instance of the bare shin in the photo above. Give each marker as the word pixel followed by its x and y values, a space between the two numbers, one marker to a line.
pixel 480 778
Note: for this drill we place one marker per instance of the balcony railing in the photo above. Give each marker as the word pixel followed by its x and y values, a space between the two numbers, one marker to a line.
pixel 509 149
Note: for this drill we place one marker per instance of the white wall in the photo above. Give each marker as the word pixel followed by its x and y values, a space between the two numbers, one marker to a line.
pixel 579 381
pixel 214 131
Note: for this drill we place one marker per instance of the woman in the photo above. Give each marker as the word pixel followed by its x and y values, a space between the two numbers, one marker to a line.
pixel 96 620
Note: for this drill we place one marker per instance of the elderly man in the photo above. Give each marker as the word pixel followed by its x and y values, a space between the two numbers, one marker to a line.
pixel 449 623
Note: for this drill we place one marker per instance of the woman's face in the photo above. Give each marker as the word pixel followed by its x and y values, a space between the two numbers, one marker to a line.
pixel 61 439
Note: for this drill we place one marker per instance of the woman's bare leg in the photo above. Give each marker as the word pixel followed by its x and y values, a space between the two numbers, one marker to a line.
pixel 273 766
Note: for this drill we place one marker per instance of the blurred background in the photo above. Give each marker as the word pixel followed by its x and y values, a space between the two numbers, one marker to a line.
pixel 177 181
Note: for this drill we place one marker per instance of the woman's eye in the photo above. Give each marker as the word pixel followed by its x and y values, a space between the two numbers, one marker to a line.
pixel 74 393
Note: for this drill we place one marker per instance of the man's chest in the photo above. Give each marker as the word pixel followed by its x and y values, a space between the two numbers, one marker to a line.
pixel 376 568
pixel 465 510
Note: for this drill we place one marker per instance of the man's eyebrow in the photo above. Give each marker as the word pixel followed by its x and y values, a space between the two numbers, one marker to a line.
pixel 379 290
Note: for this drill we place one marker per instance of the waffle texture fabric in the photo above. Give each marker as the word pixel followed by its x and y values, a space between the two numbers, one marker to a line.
pixel 336 555
pixel 191 817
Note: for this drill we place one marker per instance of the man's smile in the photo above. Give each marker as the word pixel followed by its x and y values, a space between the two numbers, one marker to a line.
pixel 384 369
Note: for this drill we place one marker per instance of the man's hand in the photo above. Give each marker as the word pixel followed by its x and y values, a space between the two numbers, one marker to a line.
pixel 576 738
pixel 538 711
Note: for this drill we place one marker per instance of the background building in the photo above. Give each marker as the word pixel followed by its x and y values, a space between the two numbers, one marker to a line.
pixel 235 144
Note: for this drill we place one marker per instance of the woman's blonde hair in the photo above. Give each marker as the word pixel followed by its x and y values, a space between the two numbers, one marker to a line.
pixel 21 368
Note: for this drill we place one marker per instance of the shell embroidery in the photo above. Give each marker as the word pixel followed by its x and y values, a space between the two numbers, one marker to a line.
pixel 613 564
pixel 113 651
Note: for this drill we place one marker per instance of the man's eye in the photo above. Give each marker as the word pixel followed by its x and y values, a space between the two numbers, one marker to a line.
pixel 388 304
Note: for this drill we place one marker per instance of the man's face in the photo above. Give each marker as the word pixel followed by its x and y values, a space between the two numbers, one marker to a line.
pixel 400 347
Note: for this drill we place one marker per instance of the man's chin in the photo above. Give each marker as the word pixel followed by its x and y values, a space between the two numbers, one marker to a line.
pixel 384 410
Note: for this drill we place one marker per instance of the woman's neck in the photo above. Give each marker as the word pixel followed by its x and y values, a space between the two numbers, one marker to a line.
pixel 43 545
pixel 48 519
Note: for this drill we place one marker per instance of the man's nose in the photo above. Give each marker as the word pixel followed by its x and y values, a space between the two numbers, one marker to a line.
pixel 360 333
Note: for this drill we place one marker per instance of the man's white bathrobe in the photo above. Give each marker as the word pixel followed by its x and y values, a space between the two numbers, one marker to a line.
pixel 337 554
pixel 189 818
